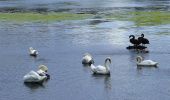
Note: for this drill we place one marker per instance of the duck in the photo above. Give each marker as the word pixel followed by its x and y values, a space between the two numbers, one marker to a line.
pixel 143 40
pixel 134 41
pixel 142 62
pixel 37 76
pixel 102 70
pixel 87 59
pixel 33 52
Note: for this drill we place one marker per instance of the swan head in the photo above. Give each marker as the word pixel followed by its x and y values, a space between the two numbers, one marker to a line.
pixel 142 35
pixel 139 59
pixel 108 59
pixel 43 68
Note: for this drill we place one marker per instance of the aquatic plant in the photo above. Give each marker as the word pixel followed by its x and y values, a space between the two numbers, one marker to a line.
pixel 143 18
pixel 42 17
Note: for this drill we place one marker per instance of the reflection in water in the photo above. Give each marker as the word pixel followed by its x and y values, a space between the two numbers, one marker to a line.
pixel 34 86
pixel 107 80
pixel 145 70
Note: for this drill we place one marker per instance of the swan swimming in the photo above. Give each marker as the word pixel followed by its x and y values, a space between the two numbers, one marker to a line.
pixel 143 40
pixel 142 62
pixel 37 77
pixel 134 41
pixel 103 70
pixel 33 52
pixel 87 59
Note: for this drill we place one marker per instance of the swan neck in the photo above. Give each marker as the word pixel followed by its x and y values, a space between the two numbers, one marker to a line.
pixel 133 37
pixel 139 59
pixel 106 65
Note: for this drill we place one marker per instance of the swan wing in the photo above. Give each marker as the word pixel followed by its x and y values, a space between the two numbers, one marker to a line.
pixel 33 52
pixel 148 62
pixel 32 76
pixel 98 69
pixel 87 58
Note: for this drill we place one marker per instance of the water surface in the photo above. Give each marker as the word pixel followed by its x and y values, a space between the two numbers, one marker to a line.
pixel 61 45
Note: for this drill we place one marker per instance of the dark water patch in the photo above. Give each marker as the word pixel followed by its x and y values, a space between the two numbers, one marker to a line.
pixel 97 21
pixel 33 86
pixel 40 10
pixel 12 9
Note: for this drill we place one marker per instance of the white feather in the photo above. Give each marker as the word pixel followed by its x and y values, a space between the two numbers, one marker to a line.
pixel 141 62
pixel 101 69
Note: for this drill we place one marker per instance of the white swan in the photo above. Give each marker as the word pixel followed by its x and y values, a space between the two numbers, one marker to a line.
pixel 142 62
pixel 87 59
pixel 34 77
pixel 37 77
pixel 104 70
pixel 33 52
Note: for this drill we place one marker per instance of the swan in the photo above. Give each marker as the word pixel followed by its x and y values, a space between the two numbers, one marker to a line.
pixel 33 52
pixel 143 40
pixel 142 62
pixel 37 77
pixel 103 70
pixel 134 41
pixel 87 59
pixel 34 77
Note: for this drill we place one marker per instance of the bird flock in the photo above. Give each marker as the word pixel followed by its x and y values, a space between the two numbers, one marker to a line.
pixel 139 43
pixel 41 74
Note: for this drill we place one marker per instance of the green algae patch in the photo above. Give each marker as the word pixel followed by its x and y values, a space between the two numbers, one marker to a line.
pixel 143 18
pixel 41 17
pixel 150 18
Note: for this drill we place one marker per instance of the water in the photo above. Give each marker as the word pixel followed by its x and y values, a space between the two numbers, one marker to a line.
pixel 62 44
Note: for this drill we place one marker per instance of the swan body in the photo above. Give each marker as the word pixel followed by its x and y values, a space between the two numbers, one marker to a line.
pixel 134 41
pixel 87 59
pixel 143 40
pixel 34 77
pixel 37 77
pixel 141 62
pixel 103 70
pixel 33 52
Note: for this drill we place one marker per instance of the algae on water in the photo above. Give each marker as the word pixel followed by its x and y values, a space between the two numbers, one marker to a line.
pixel 140 18
pixel 43 17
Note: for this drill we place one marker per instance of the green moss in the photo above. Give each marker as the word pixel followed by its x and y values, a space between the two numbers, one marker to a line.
pixel 150 18
pixel 46 17
pixel 140 18
pixel 144 18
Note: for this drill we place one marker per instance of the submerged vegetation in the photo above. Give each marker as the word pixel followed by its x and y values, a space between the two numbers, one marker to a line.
pixel 42 17
pixel 140 18
pixel 144 18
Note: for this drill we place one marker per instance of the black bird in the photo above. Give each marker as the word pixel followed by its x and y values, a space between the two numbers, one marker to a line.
pixel 134 41
pixel 143 40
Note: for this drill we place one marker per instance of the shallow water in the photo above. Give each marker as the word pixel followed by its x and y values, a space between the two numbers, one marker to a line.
pixel 61 45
